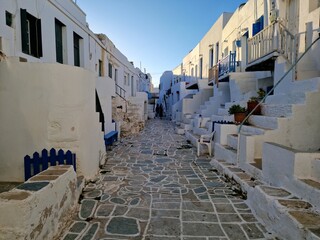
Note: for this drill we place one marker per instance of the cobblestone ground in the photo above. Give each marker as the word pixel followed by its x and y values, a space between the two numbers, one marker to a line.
pixel 154 187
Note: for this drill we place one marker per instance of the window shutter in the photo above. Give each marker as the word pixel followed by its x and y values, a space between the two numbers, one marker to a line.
pixel 24 31
pixel 39 39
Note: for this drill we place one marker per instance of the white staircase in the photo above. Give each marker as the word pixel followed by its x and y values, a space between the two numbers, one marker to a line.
pixel 280 123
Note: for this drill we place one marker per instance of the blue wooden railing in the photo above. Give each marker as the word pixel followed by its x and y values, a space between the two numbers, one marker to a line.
pixel 227 64
pixel 37 163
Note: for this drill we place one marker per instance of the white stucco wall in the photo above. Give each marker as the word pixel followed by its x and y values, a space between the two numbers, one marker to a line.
pixel 105 88
pixel 240 22
pixel 212 39
pixel 191 64
pixel 50 105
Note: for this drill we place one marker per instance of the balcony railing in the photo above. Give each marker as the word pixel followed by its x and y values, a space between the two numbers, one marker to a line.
pixel 274 38
pixel 224 66
pixel 213 74
pixel 227 64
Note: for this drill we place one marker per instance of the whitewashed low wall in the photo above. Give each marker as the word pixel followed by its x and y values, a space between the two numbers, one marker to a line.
pixel 44 106
pixel 40 207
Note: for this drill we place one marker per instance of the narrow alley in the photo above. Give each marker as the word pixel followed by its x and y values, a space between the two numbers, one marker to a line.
pixel 154 187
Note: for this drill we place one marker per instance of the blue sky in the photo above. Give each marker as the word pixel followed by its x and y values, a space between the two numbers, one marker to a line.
pixel 155 33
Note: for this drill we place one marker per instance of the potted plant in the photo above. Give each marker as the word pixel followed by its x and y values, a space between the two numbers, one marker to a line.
pixel 254 101
pixel 238 112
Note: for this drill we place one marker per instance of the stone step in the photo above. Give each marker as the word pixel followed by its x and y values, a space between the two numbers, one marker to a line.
pixel 264 122
pixel 232 141
pixel 277 110
pixel 279 210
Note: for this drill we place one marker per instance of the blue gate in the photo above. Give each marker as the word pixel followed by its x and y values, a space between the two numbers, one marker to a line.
pixel 37 163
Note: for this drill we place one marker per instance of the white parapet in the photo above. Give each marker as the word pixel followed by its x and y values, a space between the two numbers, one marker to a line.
pixel 38 208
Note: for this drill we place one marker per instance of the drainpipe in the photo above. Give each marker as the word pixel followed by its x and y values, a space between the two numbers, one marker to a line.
pixel 255 14
pixel 266 13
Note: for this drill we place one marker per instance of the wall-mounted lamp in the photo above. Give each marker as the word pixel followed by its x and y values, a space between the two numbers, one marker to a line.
pixel 244 29
pixel 210 45
pixel 225 40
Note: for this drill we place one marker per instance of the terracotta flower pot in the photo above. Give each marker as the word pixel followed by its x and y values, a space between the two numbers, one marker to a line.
pixel 239 117
pixel 252 105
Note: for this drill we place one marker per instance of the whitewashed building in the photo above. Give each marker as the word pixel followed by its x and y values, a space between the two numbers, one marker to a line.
pixel 259 48
pixel 58 82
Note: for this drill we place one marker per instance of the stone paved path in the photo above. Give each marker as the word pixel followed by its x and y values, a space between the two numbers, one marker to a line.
pixel 153 187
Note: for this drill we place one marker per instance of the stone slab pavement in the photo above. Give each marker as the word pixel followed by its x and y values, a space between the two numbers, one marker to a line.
pixel 153 187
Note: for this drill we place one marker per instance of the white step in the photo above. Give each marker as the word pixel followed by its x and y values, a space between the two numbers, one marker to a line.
pixel 193 138
pixel 179 131
pixel 277 110
pixel 251 130
pixel 287 98
pixel 223 111
pixel 264 122
pixel 186 126
pixel 225 153
pixel 200 131
pixel 309 85
pixel 232 141
pixel 188 115
pixel 203 107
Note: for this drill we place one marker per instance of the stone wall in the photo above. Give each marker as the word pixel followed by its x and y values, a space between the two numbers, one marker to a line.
pixel 127 115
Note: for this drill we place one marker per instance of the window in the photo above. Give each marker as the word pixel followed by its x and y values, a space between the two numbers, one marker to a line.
pixel 217 52
pixel 100 68
pixel 200 68
pixel 110 70
pixel 30 34
pixel 116 75
pixel 211 57
pixel 9 19
pixel 128 79
pixel 76 49
pixel 125 80
pixel 59 40
pixel 196 71
pixel 132 87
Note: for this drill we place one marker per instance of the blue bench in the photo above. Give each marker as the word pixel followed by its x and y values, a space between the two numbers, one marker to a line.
pixel 110 138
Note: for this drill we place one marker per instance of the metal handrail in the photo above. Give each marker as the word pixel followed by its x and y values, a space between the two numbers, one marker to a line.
pixel 121 92
pixel 271 90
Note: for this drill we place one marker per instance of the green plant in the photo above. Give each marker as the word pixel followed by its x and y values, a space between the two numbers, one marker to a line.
pixel 261 93
pixel 253 99
pixel 236 109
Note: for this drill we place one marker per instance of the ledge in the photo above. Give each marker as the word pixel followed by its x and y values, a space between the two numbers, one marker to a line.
pixel 37 208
